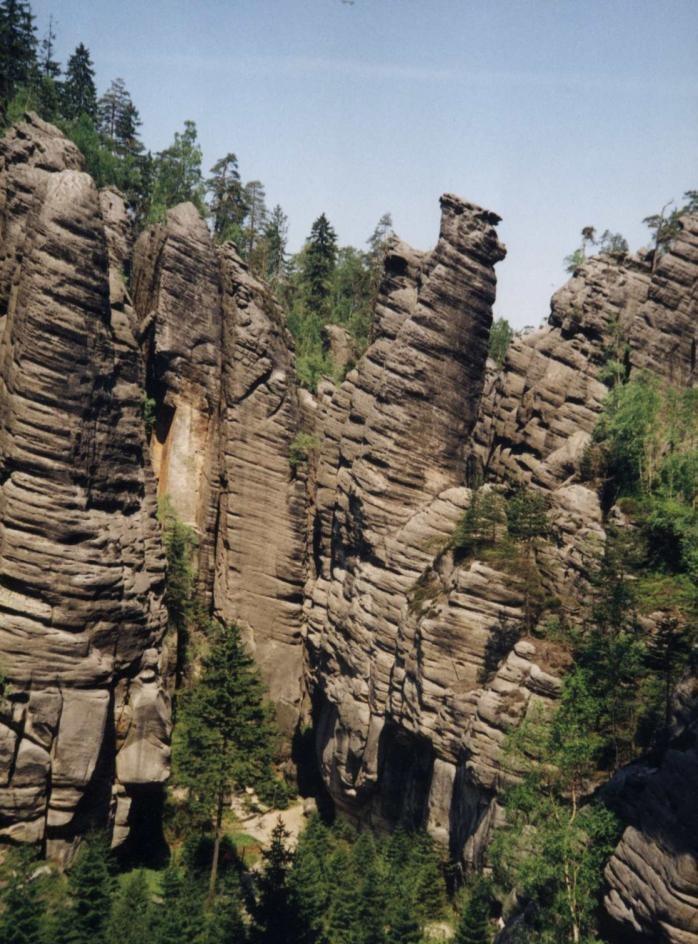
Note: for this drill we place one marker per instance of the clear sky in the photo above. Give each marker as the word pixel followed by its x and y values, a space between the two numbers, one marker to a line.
pixel 555 114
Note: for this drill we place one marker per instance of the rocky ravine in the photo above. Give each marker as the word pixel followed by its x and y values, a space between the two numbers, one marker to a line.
pixel 342 579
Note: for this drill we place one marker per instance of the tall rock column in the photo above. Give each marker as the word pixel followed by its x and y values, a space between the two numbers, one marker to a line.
pixel 220 370
pixel 84 725
pixel 388 479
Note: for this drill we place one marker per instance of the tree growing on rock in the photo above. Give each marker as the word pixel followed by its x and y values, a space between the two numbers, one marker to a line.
pixel 228 203
pixel 177 173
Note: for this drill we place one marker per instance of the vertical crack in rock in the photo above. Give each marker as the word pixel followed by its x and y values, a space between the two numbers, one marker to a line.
pixel 220 369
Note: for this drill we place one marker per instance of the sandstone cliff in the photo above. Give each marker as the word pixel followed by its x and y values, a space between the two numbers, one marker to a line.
pixel 413 660
pixel 86 723
pixel 220 370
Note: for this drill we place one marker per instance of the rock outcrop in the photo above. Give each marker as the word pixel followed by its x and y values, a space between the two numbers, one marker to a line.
pixel 414 668
pixel 85 722
pixel 220 374
pixel 414 657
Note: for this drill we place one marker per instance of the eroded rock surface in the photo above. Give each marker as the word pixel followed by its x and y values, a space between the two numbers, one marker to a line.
pixel 220 373
pixel 81 568
pixel 415 670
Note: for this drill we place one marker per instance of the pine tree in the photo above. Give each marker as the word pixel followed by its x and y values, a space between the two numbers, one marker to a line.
pixel 276 920
pixel 126 131
pixel 377 244
pixel 319 263
pixel 255 222
pixel 404 926
pixel 228 203
pixel 223 923
pixel 22 908
pixel 17 47
pixel 668 653
pixel 79 92
pixel 131 916
pixel 225 736
pixel 110 106
pixel 178 917
pixel 474 926
pixel 275 238
pixel 309 881
pixel 90 888
pixel 49 68
pixel 478 526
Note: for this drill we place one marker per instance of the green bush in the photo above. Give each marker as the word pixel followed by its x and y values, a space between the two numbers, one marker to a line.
pixel 302 448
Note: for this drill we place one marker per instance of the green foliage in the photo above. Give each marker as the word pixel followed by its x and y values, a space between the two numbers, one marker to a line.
pixel 332 285
pixel 180 544
pixel 22 908
pixel 527 516
pixel 301 449
pixel 90 887
pixel 480 522
pixel 179 915
pixel 131 919
pixel 17 48
pixel 276 920
pixel 647 440
pixel 613 244
pixel 149 414
pixel 555 843
pixel 225 738
pixel 501 334
pixel 474 924
pixel 177 175
pixel 574 260
pixel 275 239
pixel 364 889
pixel 228 205
pixel 79 90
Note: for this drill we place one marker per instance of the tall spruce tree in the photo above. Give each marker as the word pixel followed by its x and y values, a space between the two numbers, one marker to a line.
pixel 17 48
pixel 90 886
pixel 178 916
pixel 131 917
pixel 79 91
pixel 276 918
pixel 22 908
pixel 474 925
pixel 225 737
pixel 110 106
pixel 275 238
pixel 255 222
pixel 318 265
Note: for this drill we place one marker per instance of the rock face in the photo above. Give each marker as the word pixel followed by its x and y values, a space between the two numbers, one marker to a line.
pixel 413 657
pixel 652 877
pixel 221 375
pixel 85 725
pixel 414 668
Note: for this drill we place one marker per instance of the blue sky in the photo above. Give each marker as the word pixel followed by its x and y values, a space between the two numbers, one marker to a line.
pixel 556 114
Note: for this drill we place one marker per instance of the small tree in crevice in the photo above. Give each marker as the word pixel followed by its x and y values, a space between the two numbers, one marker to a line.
pixel 180 597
